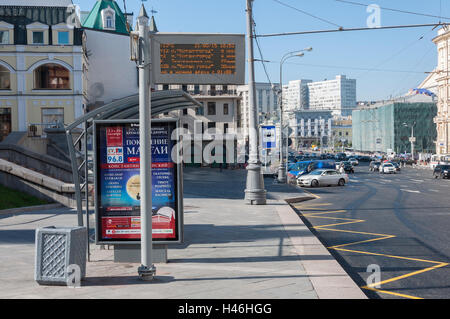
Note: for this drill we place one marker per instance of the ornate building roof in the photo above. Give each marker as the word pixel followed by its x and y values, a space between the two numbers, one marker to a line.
pixel 106 16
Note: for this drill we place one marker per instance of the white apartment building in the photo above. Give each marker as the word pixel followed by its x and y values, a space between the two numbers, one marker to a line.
pixel 266 103
pixel 442 120
pixel 338 95
pixel 296 95
pixel 309 127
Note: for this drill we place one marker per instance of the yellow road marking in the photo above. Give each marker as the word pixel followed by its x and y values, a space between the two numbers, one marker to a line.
pixel 348 221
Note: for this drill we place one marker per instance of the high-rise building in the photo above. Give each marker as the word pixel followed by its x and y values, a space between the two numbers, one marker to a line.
pixel 338 95
pixel 296 95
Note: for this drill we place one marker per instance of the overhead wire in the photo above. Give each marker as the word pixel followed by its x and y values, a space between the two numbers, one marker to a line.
pixel 395 10
pixel 307 13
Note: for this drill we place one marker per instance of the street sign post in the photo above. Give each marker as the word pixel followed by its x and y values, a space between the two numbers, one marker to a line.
pixel 268 138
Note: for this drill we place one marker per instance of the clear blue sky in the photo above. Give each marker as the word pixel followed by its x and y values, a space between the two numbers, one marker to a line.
pixel 346 53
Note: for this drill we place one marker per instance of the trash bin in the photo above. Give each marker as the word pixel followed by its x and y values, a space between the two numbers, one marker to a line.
pixel 57 248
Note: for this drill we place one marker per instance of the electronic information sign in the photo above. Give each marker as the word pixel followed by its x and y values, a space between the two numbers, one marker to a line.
pixel 198 58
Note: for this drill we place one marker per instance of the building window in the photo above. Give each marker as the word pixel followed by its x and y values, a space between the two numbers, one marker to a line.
pixel 63 37
pixel 211 108
pixel 109 19
pixel 211 124
pixel 225 109
pixel 186 126
pixel 184 88
pixel 52 117
pixel 196 89
pixel 52 76
pixel 200 111
pixel 165 87
pixel 225 127
pixel 38 37
pixel 5 123
pixel 4 37
pixel 185 111
pixel 5 81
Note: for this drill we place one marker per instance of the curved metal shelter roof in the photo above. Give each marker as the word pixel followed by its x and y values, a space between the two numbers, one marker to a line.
pixel 126 108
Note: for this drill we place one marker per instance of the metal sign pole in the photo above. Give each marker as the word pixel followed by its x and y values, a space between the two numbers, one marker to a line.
pixel 147 270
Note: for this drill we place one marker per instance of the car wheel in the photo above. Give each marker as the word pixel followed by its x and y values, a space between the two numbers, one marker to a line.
pixel 314 183
pixel 341 182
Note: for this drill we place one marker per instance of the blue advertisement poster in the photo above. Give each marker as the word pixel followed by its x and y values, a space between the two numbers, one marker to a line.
pixel 118 182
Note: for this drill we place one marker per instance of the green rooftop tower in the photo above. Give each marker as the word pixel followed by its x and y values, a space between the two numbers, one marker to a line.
pixel 107 16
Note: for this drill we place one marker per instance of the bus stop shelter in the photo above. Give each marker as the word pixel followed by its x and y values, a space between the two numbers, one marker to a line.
pixel 80 132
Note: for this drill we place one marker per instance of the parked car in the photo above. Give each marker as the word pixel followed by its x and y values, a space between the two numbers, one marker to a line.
pixel 347 167
pixel 441 171
pixel 353 161
pixel 374 166
pixel 323 177
pixel 306 167
pixel 397 166
pixel 387 168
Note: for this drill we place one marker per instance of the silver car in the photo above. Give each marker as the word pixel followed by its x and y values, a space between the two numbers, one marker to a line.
pixel 323 177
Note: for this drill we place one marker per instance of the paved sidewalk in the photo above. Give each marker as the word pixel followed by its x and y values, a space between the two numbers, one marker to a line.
pixel 231 250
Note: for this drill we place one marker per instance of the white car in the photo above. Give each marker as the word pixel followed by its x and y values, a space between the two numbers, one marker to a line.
pixel 353 161
pixel 387 168
pixel 323 177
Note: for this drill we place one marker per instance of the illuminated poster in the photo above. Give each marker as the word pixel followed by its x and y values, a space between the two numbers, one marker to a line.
pixel 118 182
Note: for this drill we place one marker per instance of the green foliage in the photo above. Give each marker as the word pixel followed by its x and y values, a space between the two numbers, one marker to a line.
pixel 13 199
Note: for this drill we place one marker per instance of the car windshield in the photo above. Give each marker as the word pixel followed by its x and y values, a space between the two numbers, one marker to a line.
pixel 316 173
pixel 445 166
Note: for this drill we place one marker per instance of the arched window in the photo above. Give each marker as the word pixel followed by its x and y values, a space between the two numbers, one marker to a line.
pixel 109 19
pixel 52 76
pixel 5 80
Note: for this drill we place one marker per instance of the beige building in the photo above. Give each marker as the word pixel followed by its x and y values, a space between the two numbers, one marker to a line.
pixel 41 66
pixel 442 120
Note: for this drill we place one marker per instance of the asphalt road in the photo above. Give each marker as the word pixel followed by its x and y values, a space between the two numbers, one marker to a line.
pixel 400 222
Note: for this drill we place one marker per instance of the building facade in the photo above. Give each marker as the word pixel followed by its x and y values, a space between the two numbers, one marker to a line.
pixel 296 95
pixel 310 127
pixel 217 115
pixel 266 105
pixel 442 119
pixel 111 75
pixel 342 132
pixel 41 65
pixel 338 95
pixel 387 127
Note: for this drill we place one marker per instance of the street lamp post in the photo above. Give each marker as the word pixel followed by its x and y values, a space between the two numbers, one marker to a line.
pixel 140 52
pixel 412 139
pixel 282 169
pixel 255 194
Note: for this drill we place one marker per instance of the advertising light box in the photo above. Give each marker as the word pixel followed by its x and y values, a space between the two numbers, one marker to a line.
pixel 117 183
pixel 198 58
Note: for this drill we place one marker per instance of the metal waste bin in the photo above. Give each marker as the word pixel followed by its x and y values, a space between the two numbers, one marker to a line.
pixel 57 248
